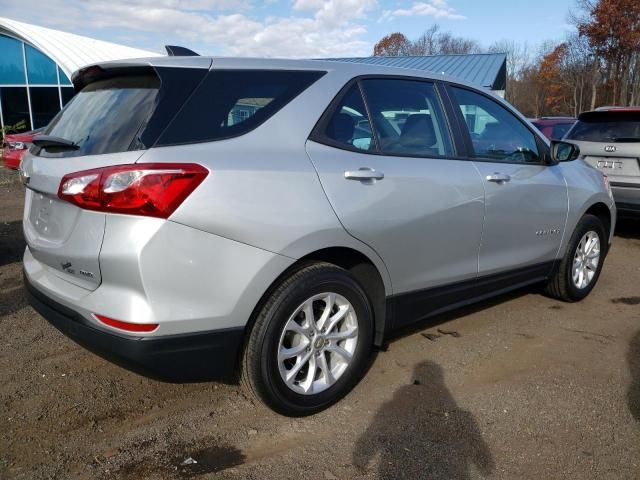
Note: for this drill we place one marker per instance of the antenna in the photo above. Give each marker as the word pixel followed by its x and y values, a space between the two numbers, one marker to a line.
pixel 176 51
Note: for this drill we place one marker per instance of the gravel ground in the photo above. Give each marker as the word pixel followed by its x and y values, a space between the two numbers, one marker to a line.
pixel 519 387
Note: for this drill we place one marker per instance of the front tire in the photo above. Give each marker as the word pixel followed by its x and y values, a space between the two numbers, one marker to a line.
pixel 310 342
pixel 581 265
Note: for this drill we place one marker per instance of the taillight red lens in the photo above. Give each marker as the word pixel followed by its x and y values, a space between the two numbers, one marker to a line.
pixel 129 327
pixel 152 189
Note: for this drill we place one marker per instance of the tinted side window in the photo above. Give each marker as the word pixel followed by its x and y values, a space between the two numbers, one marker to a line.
pixel 408 117
pixel 495 132
pixel 349 125
pixel 230 103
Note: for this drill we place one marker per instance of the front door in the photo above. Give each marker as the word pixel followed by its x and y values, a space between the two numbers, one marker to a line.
pixel 526 201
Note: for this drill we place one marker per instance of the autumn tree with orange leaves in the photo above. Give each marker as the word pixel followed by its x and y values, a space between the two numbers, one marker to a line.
pixel 598 64
pixel 613 30
pixel 393 45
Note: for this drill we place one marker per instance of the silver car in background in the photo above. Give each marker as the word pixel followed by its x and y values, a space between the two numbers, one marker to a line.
pixel 189 216
pixel 609 140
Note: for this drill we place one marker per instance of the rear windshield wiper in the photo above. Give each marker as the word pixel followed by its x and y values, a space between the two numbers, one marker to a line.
pixel 45 141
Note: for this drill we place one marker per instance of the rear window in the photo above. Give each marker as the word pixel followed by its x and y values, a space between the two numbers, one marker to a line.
pixel 106 116
pixel 606 127
pixel 230 103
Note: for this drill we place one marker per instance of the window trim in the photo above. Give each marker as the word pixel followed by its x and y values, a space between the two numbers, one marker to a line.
pixel 543 149
pixel 318 131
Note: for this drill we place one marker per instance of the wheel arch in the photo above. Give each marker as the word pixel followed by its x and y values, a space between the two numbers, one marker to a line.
pixel 602 211
pixel 598 205
pixel 361 266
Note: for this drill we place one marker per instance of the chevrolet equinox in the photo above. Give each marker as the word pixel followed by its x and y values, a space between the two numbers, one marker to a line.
pixel 190 216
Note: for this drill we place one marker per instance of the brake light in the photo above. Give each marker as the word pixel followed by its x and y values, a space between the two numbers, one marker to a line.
pixel 126 326
pixel 152 189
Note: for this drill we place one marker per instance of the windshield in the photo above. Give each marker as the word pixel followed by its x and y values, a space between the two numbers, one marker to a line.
pixel 106 116
pixel 606 127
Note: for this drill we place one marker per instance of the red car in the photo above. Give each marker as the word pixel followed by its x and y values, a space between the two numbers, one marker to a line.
pixel 14 146
pixel 554 128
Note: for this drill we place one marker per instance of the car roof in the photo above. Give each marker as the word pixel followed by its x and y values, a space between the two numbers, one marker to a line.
pixel 632 109
pixel 354 69
pixel 610 112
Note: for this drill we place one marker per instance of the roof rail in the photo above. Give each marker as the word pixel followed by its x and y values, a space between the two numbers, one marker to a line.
pixel 176 51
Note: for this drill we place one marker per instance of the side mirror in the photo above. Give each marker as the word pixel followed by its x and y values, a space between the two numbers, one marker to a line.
pixel 564 151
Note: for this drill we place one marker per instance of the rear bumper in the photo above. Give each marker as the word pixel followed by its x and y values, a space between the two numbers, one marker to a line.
pixel 176 358
pixel 627 197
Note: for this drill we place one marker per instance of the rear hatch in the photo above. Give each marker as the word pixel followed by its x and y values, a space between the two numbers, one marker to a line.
pixel 609 140
pixel 118 113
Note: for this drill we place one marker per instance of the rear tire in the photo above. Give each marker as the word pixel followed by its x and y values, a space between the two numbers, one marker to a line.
pixel 310 342
pixel 580 268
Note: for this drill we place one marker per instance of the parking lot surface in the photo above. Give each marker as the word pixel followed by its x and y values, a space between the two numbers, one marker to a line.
pixel 518 387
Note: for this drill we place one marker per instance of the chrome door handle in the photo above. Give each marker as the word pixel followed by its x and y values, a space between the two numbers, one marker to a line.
pixel 363 174
pixel 498 177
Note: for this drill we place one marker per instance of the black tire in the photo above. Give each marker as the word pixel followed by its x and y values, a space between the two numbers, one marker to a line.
pixel 259 370
pixel 561 285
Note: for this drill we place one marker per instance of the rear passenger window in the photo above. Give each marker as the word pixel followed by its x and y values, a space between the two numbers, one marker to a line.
pixel 407 117
pixel 496 134
pixel 230 103
pixel 349 124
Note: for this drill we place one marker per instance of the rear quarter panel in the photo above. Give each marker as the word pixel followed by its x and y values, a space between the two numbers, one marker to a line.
pixel 263 190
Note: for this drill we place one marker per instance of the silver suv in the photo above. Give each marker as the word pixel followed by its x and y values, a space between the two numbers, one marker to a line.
pixel 186 216
pixel 609 139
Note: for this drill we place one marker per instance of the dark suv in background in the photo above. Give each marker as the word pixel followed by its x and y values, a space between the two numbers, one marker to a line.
pixel 609 139
pixel 554 128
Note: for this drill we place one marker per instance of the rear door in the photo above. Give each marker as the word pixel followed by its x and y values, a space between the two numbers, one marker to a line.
pixel 112 121
pixel 401 190
pixel 526 201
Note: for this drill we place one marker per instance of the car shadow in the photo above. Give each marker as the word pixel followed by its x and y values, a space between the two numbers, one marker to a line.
pixel 633 359
pixel 12 242
pixel 627 227
pixel 422 433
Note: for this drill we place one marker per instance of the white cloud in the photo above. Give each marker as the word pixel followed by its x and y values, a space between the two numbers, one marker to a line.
pixel 314 28
pixel 431 8
pixel 307 5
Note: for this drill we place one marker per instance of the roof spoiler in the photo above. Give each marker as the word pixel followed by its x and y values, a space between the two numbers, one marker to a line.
pixel 176 51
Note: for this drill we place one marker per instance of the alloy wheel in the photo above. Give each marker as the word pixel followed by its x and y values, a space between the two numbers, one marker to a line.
pixel 586 260
pixel 317 343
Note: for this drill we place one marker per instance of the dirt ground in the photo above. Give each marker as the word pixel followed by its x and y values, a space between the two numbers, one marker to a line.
pixel 526 388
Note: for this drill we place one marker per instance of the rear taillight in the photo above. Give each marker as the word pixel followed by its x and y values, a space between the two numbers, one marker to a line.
pixel 152 189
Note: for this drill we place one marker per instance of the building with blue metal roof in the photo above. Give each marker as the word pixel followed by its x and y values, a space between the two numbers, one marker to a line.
pixel 486 70
pixel 36 64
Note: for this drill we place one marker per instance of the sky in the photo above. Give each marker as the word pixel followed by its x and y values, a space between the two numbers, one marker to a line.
pixel 292 28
